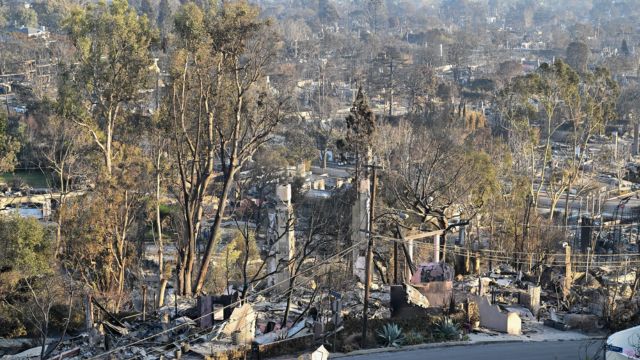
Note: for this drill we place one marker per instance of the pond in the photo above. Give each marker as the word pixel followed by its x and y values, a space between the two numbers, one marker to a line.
pixel 33 178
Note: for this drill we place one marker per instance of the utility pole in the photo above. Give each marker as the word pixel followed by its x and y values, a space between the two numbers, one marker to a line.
pixel 636 135
pixel 157 91
pixel 369 265
pixel 144 302
pixel 568 275
pixel 525 229
pixel 395 256
pixel 638 237
pixel 391 87
pixel 615 145
pixel 586 274
pixel 436 249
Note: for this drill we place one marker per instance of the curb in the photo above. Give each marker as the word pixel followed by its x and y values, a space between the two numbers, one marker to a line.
pixel 446 344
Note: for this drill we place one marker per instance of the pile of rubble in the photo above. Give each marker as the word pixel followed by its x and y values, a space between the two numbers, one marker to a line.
pixel 207 327
pixel 580 303
pixel 500 301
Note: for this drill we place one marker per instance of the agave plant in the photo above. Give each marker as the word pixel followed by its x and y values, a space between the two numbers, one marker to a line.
pixel 391 335
pixel 447 329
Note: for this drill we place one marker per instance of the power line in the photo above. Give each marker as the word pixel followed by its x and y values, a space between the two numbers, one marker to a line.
pixel 576 261
pixel 453 247
pixel 197 334
pixel 239 302
pixel 454 250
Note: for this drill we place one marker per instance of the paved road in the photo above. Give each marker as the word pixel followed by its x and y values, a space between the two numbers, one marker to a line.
pixel 556 350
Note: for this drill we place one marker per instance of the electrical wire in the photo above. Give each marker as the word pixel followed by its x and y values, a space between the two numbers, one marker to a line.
pixel 500 251
pixel 200 333
pixel 452 249
pixel 506 258
pixel 239 302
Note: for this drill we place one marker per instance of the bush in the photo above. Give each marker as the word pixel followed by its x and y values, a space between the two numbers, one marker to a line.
pixel 351 343
pixel 11 325
pixel 26 250
pixel 446 329
pixel 414 338
pixel 58 318
pixel 391 335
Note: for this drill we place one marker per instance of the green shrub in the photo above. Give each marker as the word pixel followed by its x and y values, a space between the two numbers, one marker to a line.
pixel 351 343
pixel 391 335
pixel 26 249
pixel 414 338
pixel 58 318
pixel 166 210
pixel 11 325
pixel 446 329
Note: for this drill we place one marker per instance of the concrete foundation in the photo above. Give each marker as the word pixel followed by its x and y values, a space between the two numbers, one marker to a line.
pixel 491 317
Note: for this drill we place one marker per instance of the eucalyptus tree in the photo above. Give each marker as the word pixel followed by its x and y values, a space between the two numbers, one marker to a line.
pixel 60 148
pixel 189 118
pixel 106 76
pixel 433 178
pixel 245 105
pixel 537 99
pixel 220 110
pixel 589 110
pixel 110 68
pixel 554 98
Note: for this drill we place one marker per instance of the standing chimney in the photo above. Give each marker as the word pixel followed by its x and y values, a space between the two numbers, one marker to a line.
pixel 636 131
pixel 614 135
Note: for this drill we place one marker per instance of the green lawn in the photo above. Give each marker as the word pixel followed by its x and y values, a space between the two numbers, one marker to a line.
pixel 34 178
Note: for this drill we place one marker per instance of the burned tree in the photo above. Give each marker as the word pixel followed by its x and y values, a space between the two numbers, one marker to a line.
pixel 245 107
pixel 361 126
pixel 322 226
pixel 221 111
pixel 431 178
